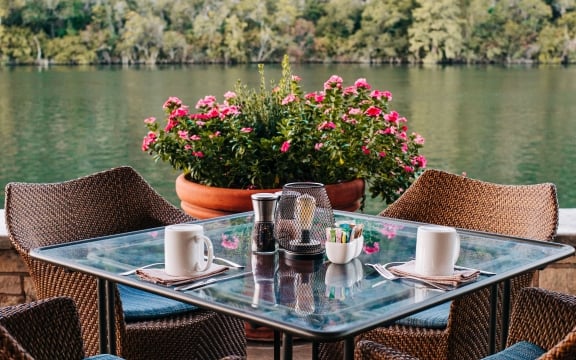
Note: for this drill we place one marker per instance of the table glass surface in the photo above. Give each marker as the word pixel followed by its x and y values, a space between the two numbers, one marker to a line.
pixel 312 298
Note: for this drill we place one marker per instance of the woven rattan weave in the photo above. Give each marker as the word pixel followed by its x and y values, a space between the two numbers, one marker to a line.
pixel 110 202
pixel 542 317
pixel 43 330
pixel 438 197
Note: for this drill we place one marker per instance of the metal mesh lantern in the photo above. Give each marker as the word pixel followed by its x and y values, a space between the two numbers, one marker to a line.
pixel 302 216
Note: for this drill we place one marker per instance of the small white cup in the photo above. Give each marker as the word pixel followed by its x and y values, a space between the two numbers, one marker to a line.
pixel 341 253
pixel 437 250
pixel 184 250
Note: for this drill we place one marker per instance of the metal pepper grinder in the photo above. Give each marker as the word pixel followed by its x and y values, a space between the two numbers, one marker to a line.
pixel 264 205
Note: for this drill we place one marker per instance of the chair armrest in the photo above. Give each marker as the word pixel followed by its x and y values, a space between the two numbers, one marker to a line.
pixel 542 317
pixel 47 329
pixel 369 350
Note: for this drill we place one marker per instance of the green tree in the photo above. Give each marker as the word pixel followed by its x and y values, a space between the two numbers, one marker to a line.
pixel 436 32
pixel 383 33
pixel 142 38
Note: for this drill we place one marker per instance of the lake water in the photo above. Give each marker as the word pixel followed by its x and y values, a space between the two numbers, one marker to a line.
pixel 508 125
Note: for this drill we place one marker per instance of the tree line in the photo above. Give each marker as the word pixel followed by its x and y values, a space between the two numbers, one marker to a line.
pixel 245 31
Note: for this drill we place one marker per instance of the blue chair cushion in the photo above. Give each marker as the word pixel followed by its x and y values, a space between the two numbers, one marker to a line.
pixel 523 350
pixel 104 357
pixel 141 305
pixel 433 318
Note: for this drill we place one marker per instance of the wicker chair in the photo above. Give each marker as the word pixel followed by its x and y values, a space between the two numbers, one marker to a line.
pixel 109 202
pixel 47 329
pixel 438 197
pixel 540 317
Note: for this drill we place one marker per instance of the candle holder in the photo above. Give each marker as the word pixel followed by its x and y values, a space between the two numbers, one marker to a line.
pixel 302 215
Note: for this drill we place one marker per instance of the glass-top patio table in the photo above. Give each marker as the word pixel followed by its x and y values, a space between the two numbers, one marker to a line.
pixel 312 299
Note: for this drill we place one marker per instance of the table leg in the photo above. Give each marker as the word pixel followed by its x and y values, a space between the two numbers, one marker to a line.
pixel 286 346
pixel 349 348
pixel 106 325
pixel 506 297
pixel 110 318
pixel 493 319
pixel 277 345
pixel 102 309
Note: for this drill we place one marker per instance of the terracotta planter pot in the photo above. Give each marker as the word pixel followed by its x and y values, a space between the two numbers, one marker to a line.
pixel 203 202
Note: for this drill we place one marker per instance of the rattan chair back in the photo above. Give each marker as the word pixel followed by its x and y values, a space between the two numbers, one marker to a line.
pixel 47 329
pixel 439 197
pixel 105 203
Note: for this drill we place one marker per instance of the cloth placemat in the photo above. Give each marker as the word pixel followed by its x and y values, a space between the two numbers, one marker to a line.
pixel 459 277
pixel 159 276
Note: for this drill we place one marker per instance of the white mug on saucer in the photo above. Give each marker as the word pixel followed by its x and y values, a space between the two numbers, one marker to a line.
pixel 184 250
pixel 437 250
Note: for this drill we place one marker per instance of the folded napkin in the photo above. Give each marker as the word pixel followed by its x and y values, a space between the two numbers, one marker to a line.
pixel 459 277
pixel 159 276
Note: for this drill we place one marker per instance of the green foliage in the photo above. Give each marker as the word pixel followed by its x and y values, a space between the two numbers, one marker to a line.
pixel 266 137
pixel 238 31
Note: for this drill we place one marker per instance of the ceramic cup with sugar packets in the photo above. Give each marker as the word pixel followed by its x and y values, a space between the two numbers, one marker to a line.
pixel 344 242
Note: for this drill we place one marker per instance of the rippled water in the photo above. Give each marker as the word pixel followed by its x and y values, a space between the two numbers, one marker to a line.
pixel 508 125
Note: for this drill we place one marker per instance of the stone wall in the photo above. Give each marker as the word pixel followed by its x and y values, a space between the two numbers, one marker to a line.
pixel 16 285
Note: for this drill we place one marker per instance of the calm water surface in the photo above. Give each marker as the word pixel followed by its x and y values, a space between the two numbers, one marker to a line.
pixel 506 125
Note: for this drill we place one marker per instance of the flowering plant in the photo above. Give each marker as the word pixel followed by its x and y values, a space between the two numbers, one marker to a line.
pixel 262 139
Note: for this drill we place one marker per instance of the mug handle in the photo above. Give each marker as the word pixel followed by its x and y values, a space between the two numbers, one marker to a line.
pixel 456 253
pixel 210 248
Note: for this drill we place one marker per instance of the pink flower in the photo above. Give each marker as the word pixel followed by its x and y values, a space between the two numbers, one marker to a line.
pixel 288 99
pixel 373 111
pixel 296 78
pixel 318 146
pixel 327 125
pixel 334 81
pixel 365 150
pixel 183 134
pixel 198 154
pixel 372 249
pixel 171 123
pixel 362 84
pixel 216 134
pixel 390 231
pixel 419 161
pixel 150 120
pixel 171 102
pixel 391 117
pixel 148 140
pixel 229 95
pixel 350 90
pixel 230 243
pixel 213 113
pixel 229 110
pixel 318 97
pixel 382 154
pixel 404 147
pixel 408 168
pixel 207 102
pixel 355 111
pixel 195 137
pixel 388 95
pixel 418 139
pixel 181 111
pixel 246 130
pixel 285 146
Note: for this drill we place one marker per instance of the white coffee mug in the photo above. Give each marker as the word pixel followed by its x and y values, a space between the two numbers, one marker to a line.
pixel 184 250
pixel 437 250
